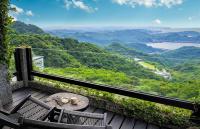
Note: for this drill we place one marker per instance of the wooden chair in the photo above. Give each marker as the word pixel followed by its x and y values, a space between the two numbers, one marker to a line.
pixel 10 119
pixel 64 119
pixel 28 123
pixel 51 118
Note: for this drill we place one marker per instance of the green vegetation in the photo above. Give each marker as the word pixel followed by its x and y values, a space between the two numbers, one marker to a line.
pixel 178 89
pixel 143 47
pixel 118 48
pixel 132 53
pixel 4 40
pixel 183 53
pixel 23 28
pixel 99 76
pixel 180 56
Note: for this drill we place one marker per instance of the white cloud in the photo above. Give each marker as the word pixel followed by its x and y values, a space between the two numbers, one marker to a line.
pixel 29 13
pixel 149 3
pixel 82 6
pixel 157 21
pixel 170 3
pixel 78 4
pixel 68 4
pixel 17 10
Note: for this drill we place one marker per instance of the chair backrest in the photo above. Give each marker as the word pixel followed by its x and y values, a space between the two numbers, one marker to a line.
pixel 32 103
pixel 78 118
pixel 29 99
pixel 7 120
pixel 10 119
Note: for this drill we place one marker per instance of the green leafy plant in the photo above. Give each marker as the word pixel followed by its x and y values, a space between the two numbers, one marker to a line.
pixel 5 20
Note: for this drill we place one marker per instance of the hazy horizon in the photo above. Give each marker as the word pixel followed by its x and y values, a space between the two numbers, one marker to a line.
pixel 74 27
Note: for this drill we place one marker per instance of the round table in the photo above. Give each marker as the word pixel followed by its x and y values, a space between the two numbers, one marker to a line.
pixel 82 104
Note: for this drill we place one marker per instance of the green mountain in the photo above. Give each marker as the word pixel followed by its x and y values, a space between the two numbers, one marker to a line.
pixel 47 46
pixel 183 53
pixel 23 28
pixel 179 56
pixel 143 48
pixel 105 37
pixel 192 66
pixel 123 50
pixel 127 36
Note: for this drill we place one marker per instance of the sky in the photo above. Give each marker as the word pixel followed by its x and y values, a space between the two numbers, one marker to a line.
pixel 102 13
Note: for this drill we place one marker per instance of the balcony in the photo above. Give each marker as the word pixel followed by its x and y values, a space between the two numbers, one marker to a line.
pixel 36 83
pixel 116 120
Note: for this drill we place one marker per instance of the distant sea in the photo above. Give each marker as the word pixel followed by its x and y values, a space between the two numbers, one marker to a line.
pixel 172 46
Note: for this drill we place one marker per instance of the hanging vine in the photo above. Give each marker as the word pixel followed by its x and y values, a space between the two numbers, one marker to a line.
pixel 5 20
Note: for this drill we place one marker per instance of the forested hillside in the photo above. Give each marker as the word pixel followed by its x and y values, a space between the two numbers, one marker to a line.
pixel 62 53
pixel 23 28
pixel 178 56
pixel 183 53
pixel 118 48
pixel 143 48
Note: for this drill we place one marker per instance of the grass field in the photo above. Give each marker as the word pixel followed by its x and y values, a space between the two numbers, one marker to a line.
pixel 147 65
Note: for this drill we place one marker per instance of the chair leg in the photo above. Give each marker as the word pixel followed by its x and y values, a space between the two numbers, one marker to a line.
pixel 60 116
pixel 48 114
pixel 53 114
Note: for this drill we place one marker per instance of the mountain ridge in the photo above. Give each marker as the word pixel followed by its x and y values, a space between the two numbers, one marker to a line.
pixel 23 28
pixel 127 36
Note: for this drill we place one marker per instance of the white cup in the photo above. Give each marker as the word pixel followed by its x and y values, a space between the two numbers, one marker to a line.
pixel 74 101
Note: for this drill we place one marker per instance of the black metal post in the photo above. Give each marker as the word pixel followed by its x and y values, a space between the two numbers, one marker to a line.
pixel 23 64
pixel 18 64
pixel 195 117
pixel 29 63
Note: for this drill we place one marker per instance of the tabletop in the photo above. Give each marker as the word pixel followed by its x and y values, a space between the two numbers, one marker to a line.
pixel 55 100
